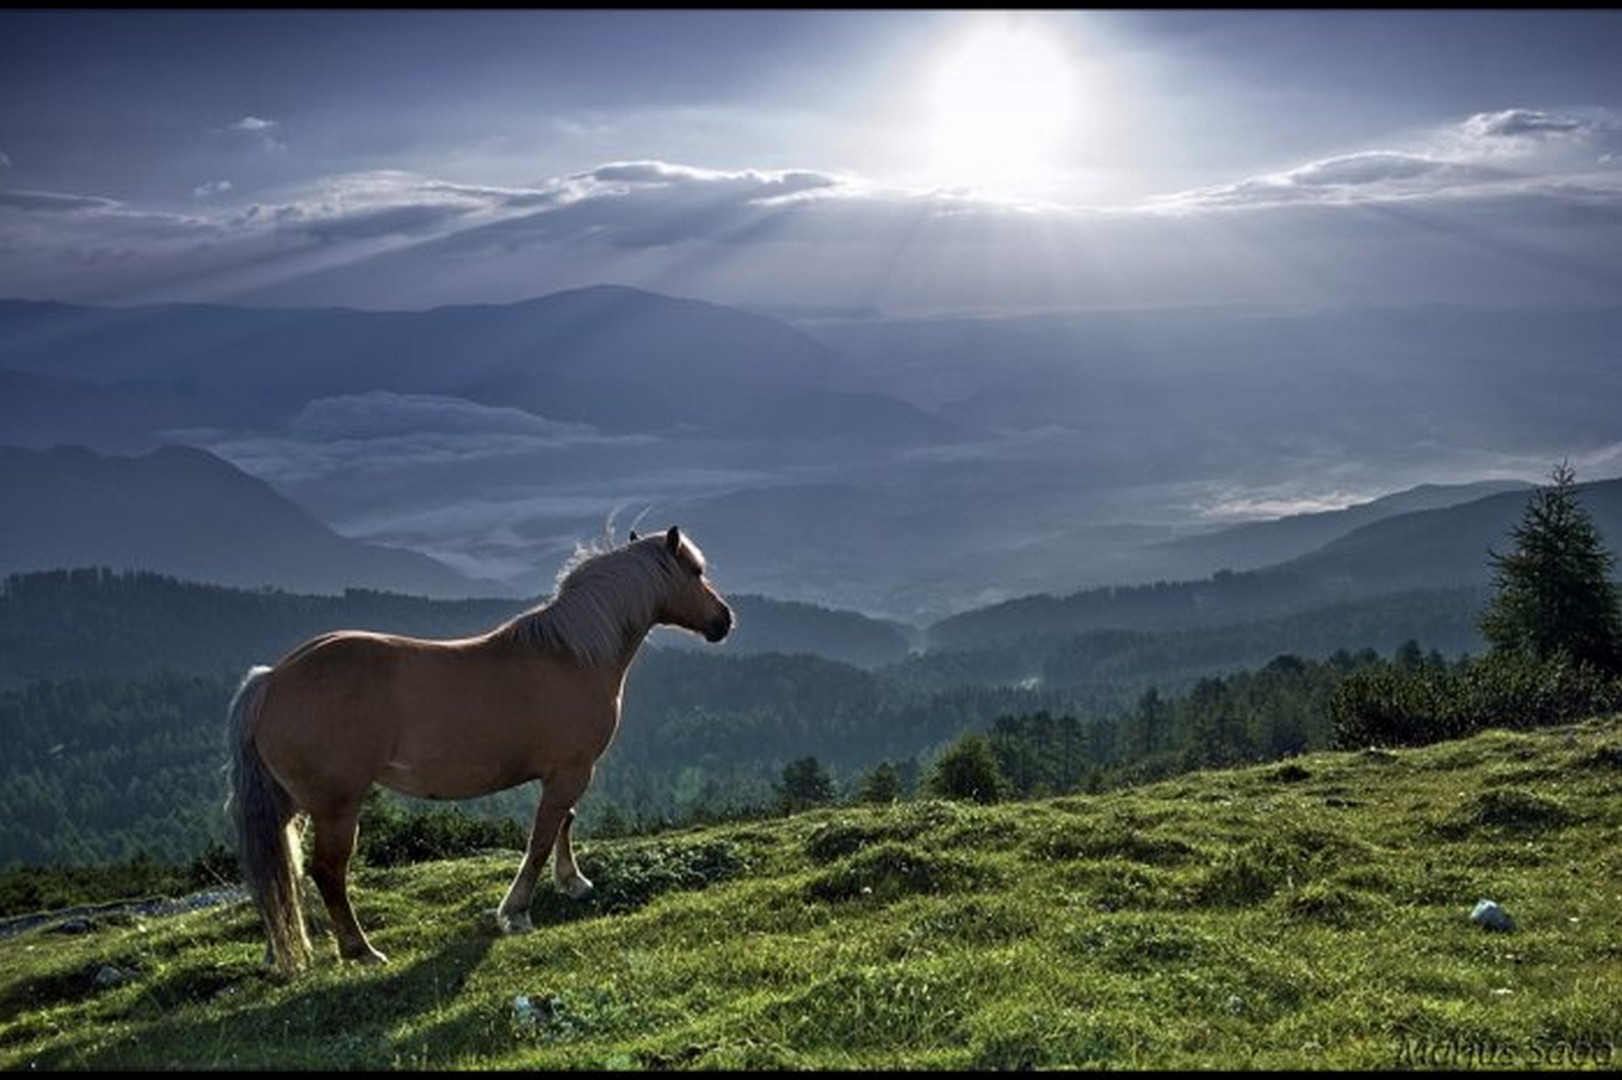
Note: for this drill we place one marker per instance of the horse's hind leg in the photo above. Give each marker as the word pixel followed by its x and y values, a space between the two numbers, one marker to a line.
pixel 564 871
pixel 329 866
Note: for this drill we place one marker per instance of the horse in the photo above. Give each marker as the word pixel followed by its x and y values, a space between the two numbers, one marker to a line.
pixel 537 697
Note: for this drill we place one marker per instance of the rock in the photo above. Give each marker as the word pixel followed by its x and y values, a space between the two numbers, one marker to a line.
pixel 1489 916
pixel 110 976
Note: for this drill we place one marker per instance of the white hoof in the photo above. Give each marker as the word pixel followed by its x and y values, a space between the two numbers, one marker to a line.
pixel 514 924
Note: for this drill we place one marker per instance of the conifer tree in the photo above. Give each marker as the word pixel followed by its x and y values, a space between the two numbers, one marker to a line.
pixel 1554 594
pixel 805 783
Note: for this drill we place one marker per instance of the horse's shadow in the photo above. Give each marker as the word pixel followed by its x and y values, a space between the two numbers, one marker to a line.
pixel 351 1023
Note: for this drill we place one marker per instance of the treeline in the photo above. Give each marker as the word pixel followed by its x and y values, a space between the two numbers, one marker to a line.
pixel 1254 597
pixel 96 621
pixel 105 770
pixel 117 752
pixel 99 770
pixel 1173 657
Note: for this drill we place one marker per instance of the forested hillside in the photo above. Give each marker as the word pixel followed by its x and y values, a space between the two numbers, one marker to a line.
pixel 113 688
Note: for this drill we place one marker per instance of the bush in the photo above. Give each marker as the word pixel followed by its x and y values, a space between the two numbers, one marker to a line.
pixel 968 771
pixel 391 835
pixel 1392 706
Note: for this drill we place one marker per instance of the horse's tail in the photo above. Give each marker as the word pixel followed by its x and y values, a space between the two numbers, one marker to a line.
pixel 267 842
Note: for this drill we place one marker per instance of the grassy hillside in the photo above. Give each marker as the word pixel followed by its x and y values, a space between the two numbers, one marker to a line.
pixel 1310 914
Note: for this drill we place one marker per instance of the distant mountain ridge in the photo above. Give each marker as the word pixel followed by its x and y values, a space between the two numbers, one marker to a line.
pixel 1429 549
pixel 1254 544
pixel 612 356
pixel 1449 545
pixel 182 511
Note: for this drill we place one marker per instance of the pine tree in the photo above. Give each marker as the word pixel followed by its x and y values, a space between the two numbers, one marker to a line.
pixel 1554 591
pixel 804 784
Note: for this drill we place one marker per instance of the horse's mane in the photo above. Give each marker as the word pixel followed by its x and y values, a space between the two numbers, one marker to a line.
pixel 602 593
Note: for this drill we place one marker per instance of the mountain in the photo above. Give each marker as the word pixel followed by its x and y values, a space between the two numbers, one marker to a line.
pixel 182 511
pixel 784 626
pixel 1255 544
pixel 1435 550
pixel 615 357
pixel 1446 546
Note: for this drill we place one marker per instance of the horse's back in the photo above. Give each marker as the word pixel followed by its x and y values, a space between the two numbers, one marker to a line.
pixel 326 719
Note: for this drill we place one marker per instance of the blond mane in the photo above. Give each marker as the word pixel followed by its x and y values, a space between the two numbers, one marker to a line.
pixel 604 595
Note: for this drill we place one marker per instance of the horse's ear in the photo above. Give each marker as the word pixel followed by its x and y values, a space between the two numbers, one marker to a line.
pixel 632 540
pixel 673 538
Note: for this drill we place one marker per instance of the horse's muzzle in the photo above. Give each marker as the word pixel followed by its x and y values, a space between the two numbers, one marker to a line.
pixel 719 627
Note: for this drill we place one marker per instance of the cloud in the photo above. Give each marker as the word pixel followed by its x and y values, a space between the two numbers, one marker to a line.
pixel 1527 187
pixel 1533 140
pixel 494 490
pixel 1488 155
pixel 1369 175
pixel 44 229
pixel 381 413
pixel 259 131
pixel 1522 124
pixel 386 434
pixel 1250 507
pixel 654 204
pixel 362 206
pixel 50 202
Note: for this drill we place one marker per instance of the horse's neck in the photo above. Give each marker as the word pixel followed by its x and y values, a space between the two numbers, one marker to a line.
pixel 591 629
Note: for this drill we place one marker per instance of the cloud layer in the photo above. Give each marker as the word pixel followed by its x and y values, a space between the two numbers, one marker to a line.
pixel 1542 190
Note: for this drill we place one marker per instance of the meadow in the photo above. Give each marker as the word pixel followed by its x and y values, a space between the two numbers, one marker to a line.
pixel 1306 914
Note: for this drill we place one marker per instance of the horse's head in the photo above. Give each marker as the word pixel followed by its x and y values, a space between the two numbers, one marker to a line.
pixel 692 603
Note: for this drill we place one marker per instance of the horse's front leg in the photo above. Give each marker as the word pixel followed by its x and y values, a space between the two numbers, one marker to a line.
pixel 553 814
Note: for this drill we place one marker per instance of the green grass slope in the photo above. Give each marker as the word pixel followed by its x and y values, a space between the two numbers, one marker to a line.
pixel 1306 915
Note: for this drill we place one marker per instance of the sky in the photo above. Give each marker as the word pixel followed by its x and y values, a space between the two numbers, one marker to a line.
pixel 901 162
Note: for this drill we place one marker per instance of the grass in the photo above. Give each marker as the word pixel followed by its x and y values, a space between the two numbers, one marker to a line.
pixel 1310 915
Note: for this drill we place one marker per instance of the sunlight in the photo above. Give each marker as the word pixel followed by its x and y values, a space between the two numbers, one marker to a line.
pixel 1001 98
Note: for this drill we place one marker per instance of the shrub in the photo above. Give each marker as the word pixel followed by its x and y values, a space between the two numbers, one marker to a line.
pixel 391 835
pixel 1389 706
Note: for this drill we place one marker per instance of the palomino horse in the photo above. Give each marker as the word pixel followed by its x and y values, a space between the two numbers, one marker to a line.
pixel 536 698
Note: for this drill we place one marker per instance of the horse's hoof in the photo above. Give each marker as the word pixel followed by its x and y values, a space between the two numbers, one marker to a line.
pixel 514 924
pixel 366 956
pixel 577 887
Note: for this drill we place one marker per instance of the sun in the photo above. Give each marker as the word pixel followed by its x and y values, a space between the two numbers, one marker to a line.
pixel 1000 99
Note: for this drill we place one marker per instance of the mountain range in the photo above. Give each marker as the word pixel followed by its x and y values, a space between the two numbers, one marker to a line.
pixel 183 512
pixel 907 470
